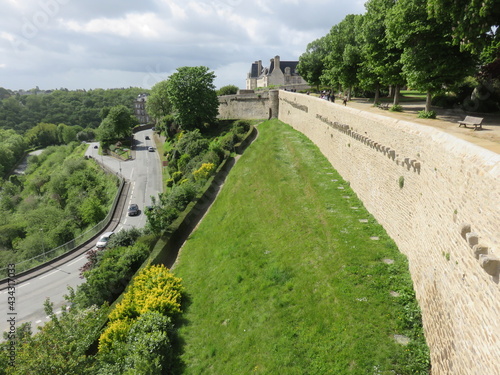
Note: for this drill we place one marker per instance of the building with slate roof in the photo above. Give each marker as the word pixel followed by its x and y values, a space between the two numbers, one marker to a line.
pixel 282 74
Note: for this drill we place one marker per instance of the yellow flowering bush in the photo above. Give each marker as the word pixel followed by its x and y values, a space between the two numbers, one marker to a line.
pixel 204 172
pixel 155 288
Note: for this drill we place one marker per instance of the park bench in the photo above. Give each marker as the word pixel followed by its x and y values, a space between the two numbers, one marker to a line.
pixel 473 121
pixel 384 106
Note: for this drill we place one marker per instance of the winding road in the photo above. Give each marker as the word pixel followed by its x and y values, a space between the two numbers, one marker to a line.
pixel 145 180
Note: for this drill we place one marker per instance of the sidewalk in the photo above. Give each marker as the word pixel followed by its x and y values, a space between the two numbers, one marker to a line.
pixel 447 121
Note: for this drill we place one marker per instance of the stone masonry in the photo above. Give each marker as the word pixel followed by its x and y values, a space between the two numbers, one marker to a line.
pixel 438 197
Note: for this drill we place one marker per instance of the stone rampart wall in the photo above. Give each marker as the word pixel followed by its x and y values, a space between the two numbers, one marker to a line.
pixel 445 218
pixel 245 106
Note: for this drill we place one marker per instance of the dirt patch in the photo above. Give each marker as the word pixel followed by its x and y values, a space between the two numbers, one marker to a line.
pixel 446 120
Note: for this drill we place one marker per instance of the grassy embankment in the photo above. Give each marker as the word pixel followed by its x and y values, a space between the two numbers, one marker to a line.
pixel 284 275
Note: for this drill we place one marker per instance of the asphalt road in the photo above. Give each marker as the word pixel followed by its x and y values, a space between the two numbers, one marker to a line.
pixel 144 174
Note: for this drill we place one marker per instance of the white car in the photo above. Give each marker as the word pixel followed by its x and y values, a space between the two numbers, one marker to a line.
pixel 103 241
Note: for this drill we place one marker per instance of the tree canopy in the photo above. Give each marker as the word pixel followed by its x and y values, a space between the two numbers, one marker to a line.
pixel 192 93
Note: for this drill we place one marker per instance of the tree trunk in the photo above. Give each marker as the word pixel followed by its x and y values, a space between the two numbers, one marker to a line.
pixel 396 95
pixel 377 94
pixel 428 101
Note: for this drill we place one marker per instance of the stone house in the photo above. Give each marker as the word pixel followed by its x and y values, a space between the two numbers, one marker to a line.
pixel 140 109
pixel 281 74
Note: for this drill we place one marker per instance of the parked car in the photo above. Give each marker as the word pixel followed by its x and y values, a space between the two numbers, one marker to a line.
pixel 146 137
pixel 133 210
pixel 151 149
pixel 103 241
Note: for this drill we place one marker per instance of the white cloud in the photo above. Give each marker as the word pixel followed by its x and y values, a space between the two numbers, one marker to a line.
pixel 121 43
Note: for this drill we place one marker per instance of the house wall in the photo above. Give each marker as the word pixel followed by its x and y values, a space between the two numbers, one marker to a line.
pixel 450 202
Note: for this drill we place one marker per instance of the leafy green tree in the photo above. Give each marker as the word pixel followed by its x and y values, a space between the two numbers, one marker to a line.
pixel 61 345
pixel 343 59
pixel 194 100
pixel 430 59
pixel 380 60
pixel 117 124
pixel 312 62
pixel 42 135
pixel 228 90
pixel 473 24
pixel 158 102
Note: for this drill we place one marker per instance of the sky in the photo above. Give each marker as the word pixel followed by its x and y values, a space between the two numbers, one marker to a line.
pixel 91 44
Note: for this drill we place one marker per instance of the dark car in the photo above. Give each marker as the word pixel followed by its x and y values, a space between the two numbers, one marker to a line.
pixel 146 137
pixel 133 210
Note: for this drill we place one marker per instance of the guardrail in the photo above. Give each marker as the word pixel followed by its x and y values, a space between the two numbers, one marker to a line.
pixel 29 265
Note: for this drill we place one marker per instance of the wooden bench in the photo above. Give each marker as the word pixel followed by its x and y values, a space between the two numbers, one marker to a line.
pixel 473 121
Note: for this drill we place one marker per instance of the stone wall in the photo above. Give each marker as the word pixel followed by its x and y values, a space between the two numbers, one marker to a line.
pixel 438 197
pixel 245 106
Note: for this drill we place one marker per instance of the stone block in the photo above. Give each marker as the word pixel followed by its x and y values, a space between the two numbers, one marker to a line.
pixel 490 264
pixel 472 239
pixel 479 250
pixel 464 230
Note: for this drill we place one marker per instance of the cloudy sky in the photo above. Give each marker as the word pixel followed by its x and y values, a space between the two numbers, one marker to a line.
pixel 121 43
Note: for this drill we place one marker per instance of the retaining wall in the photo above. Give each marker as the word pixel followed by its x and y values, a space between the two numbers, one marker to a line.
pixel 245 106
pixel 445 218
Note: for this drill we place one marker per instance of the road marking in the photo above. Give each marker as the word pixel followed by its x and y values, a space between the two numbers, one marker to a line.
pixel 22 286
pixel 76 261
pixel 49 274
pixel 38 321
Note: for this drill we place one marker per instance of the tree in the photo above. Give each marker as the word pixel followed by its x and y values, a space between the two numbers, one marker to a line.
pixel 380 61
pixel 42 135
pixel 343 59
pixel 430 60
pixel 117 124
pixel 158 103
pixel 228 90
pixel 473 24
pixel 194 99
pixel 312 62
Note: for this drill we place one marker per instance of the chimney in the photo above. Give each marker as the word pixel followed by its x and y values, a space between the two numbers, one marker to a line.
pixel 277 62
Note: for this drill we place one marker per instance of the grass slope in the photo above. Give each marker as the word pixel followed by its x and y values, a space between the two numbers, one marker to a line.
pixel 283 278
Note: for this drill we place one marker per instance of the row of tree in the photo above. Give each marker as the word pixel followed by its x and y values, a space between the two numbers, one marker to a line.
pixel 83 108
pixel 430 45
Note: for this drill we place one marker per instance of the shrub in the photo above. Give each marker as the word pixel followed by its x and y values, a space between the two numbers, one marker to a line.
pixel 228 141
pixel 396 108
pixel 176 176
pixel 228 90
pixel 241 127
pixel 444 100
pixel 183 162
pixel 426 114
pixel 204 172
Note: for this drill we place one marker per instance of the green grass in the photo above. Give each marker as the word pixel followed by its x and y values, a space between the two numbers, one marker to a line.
pixel 281 276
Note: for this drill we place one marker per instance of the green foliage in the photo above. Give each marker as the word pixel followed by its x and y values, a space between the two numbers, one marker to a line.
pixel 60 346
pixel 396 108
pixel 12 148
pixel 137 338
pixel 158 103
pixel 60 195
pixel 117 124
pixel 192 95
pixel 401 182
pixel 109 277
pixel 426 114
pixel 228 90
pixel 72 108
pixel 125 237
